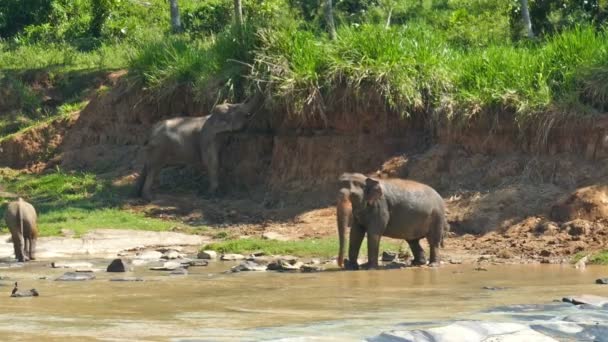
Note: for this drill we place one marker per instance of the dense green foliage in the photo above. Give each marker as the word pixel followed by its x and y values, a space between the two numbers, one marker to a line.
pixel 454 59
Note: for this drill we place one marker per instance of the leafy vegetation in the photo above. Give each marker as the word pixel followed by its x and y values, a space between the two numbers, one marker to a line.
pixel 595 258
pixel 77 201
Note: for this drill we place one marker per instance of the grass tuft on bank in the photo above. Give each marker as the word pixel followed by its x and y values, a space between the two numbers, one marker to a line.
pixel 323 247
pixel 595 258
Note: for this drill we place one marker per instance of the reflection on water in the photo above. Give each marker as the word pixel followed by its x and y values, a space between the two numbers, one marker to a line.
pixel 210 305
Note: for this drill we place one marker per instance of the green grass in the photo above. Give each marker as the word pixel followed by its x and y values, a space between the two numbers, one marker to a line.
pixel 79 202
pixel 595 258
pixel 325 247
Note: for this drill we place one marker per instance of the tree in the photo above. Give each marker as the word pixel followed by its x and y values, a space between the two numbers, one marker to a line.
pixel 176 24
pixel 525 14
pixel 329 18
pixel 238 13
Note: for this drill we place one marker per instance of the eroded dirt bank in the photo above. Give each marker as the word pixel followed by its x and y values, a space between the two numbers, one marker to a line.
pixel 279 174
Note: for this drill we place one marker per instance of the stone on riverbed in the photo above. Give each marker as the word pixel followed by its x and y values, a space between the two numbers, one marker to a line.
pixel 310 268
pixel 73 276
pixel 232 257
pixel 603 281
pixel 77 264
pixel 196 263
pixel 467 331
pixel 170 255
pixel 168 266
pixel 593 300
pixel 117 265
pixel 30 293
pixel 249 266
pixel 207 255
pixel 389 256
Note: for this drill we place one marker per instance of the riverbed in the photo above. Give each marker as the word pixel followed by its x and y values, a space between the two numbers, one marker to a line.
pixel 211 305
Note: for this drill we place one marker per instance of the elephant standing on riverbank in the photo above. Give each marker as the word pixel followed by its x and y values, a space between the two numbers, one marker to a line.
pixel 21 218
pixel 395 208
pixel 191 140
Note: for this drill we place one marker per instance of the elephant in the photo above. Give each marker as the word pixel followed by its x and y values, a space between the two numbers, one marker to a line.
pixel 21 219
pixel 191 140
pixel 396 208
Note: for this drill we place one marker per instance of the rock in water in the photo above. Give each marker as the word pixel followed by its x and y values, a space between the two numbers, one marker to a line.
pixel 389 256
pixel 117 265
pixel 249 266
pixel 207 255
pixel 603 281
pixel 593 300
pixel 172 254
pixel 73 276
pixel 168 266
pixel 310 268
pixel 149 255
pixel 30 293
pixel 232 257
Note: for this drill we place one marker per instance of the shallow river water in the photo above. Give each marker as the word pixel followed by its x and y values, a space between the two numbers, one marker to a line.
pixel 209 305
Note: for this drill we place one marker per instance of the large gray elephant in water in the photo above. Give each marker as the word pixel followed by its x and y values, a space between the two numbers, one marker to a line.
pixel 21 219
pixel 192 140
pixel 396 208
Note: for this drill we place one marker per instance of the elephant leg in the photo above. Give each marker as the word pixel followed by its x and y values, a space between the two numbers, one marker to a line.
pixel 354 244
pixel 26 249
pixel 32 248
pixel 18 246
pixel 435 238
pixel 373 249
pixel 417 252
pixel 211 161
pixel 149 183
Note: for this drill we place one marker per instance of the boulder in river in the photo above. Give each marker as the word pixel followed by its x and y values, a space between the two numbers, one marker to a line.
pixel 603 281
pixel 117 265
pixel 196 263
pixel 593 300
pixel 207 255
pixel 74 276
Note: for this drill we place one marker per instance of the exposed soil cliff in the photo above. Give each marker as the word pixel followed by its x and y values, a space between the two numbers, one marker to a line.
pixel 493 175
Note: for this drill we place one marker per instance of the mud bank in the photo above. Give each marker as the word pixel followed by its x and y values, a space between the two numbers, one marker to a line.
pixel 493 174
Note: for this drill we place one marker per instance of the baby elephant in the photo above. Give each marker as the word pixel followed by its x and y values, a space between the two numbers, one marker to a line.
pixel 20 218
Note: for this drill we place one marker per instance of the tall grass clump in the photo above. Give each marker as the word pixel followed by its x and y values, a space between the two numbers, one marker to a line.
pixel 406 65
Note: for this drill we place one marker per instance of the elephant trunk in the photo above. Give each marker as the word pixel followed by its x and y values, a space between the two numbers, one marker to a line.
pixel 344 212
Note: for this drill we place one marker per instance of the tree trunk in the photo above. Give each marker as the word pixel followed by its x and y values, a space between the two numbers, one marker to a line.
pixel 329 18
pixel 176 23
pixel 238 13
pixel 525 14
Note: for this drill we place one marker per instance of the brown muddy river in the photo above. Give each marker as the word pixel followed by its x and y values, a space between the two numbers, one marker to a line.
pixel 208 305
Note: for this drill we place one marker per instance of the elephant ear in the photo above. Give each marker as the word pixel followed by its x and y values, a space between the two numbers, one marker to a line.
pixel 373 190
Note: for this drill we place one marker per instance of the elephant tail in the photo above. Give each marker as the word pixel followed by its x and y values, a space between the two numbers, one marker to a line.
pixel 139 185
